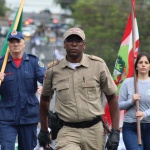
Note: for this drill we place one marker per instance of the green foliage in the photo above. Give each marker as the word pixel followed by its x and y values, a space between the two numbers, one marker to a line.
pixel 66 3
pixel 2 8
pixel 143 17
pixel 104 23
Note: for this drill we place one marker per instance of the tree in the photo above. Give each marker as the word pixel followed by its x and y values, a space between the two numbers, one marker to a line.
pixel 143 16
pixel 66 4
pixel 104 24
pixel 2 8
pixel 99 20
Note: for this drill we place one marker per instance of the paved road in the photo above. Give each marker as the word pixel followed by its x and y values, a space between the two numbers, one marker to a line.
pixel 46 53
pixel 42 17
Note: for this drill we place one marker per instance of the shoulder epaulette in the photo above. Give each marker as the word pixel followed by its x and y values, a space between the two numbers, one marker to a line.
pixel 96 58
pixel 2 57
pixel 52 63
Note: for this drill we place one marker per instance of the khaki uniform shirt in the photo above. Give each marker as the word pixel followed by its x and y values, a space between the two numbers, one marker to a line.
pixel 78 91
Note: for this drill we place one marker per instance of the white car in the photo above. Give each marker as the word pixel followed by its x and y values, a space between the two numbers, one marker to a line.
pixel 28 31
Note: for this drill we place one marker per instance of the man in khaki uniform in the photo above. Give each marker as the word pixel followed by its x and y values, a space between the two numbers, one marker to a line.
pixel 79 80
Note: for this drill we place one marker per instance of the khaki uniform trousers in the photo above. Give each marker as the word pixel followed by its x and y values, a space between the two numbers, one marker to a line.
pixel 81 139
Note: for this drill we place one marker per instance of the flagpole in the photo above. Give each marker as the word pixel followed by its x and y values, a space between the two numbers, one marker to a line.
pixel 135 77
pixel 14 28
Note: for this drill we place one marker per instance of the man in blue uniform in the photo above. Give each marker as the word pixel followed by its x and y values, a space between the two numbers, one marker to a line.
pixel 19 106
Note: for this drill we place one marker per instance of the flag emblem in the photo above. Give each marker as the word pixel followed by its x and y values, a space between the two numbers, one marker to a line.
pixel 14 33
pixel 124 65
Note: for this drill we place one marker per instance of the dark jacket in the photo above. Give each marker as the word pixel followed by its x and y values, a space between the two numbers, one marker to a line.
pixel 19 104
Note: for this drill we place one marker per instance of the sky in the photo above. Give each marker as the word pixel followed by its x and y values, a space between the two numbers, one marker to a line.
pixel 35 5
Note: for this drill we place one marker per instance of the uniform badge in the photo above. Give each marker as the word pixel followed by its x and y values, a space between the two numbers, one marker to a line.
pixel 14 32
pixel 40 64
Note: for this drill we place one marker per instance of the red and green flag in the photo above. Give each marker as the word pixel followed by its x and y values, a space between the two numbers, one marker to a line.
pixel 124 66
pixel 19 28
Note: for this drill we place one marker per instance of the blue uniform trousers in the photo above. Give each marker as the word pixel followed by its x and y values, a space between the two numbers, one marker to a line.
pixel 27 136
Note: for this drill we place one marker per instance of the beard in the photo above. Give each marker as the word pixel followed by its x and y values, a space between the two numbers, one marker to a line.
pixel 74 56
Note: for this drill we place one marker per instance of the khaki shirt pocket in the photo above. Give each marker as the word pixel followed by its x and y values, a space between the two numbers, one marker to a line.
pixel 62 92
pixel 90 88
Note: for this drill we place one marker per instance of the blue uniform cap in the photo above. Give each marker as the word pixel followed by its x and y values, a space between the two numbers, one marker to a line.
pixel 15 35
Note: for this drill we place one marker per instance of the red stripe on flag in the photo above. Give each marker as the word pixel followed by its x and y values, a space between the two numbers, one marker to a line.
pixel 125 48
pixel 128 28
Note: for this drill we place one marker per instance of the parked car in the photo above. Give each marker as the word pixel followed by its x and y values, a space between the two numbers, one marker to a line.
pixel 3 31
pixel 28 32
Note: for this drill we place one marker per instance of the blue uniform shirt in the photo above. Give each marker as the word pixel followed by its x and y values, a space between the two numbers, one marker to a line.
pixel 19 104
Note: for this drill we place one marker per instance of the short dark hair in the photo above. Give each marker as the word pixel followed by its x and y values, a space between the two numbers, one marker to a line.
pixel 138 58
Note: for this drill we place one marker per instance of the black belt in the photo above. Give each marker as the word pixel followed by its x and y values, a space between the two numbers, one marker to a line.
pixel 83 124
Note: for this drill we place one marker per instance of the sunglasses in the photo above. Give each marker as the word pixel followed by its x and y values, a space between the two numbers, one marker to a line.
pixel 74 40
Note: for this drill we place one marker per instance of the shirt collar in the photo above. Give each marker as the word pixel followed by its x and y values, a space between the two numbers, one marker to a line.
pixel 83 62
pixel 25 57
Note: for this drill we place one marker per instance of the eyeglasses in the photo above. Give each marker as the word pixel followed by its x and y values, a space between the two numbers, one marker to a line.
pixel 74 40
